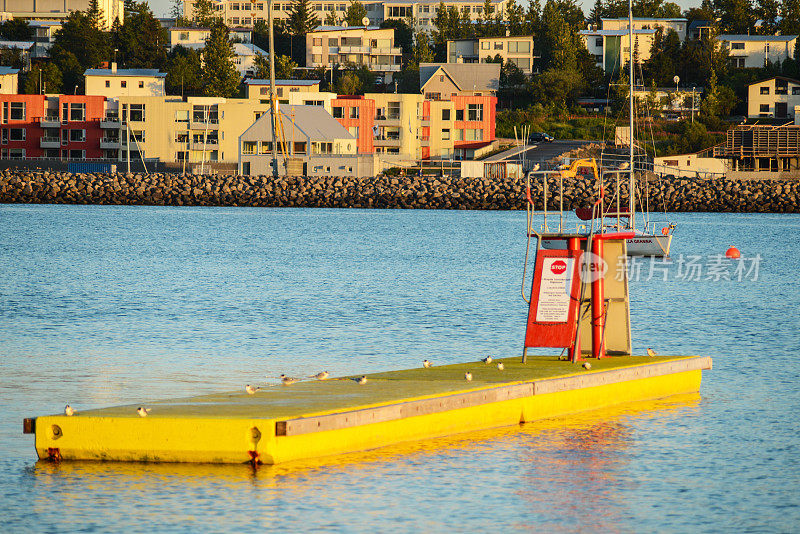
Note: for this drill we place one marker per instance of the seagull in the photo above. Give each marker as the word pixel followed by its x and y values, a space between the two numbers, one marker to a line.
pixel 142 411
pixel 426 364
pixel 500 366
pixel 361 380
pixel 322 376
pixel 651 352
pixel 587 365
pixel 287 380
pixel 487 360
pixel 69 410
pixel 468 376
pixel 250 389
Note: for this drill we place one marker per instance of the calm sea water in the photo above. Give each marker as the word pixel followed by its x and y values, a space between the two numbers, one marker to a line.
pixel 110 305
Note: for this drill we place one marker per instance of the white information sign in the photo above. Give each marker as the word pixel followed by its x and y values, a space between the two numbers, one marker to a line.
pixel 554 294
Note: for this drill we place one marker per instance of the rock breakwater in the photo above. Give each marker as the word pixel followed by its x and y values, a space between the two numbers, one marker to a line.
pixel 674 194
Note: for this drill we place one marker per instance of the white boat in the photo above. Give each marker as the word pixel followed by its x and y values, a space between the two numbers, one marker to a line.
pixel 642 244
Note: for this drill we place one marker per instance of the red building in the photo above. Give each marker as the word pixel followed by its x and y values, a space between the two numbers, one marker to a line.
pixel 477 117
pixel 65 127
pixel 357 114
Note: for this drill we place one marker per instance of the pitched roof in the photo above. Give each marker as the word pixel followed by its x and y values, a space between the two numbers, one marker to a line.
pixel 309 121
pixel 8 70
pixel 466 76
pixel 784 78
pixel 258 81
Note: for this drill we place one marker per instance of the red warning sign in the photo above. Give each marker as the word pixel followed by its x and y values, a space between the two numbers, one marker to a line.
pixel 552 314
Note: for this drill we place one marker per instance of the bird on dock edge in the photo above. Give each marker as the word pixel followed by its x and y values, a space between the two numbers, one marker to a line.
pixel 651 352
pixel 426 364
pixel 142 411
pixel 69 410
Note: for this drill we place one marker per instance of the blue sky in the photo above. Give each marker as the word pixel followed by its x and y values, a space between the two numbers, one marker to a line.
pixel 161 8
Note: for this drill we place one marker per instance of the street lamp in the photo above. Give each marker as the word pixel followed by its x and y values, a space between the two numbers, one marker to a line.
pixel 115 55
pixel 75 92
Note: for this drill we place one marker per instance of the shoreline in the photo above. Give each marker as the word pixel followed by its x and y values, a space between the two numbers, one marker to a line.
pixel 382 192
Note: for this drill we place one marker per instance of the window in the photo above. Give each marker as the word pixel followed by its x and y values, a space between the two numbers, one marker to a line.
pixel 123 84
pixel 445 114
pixel 316 41
pixel 598 42
pixel 763 108
pixel 520 47
pixel 459 114
pixel 77 136
pixel 765 90
pixel 319 103
pixel 353 131
pixel 445 135
pixel 475 112
pixel 182 116
pixel 249 147
pixel 498 45
pixel 184 36
pixel 17 134
pixel 473 135
pixel 737 46
pixel 5 136
pixel 796 90
pixel 341 7
pixel 333 41
pixel 108 83
pixel 485 45
pixel 459 135
pixel 16 153
pixel 77 111
pixel 182 137
pixel 17 111
pixel 77 154
pixel 524 63
pixel 137 112
pixel 354 113
pixel 141 85
pixel 234 7
pixel 338 112
pixel 393 110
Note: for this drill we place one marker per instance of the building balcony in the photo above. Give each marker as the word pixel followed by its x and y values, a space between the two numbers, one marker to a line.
pixel 737 53
pixel 384 67
pixel 386 142
pixel 210 144
pixel 390 120
pixel 212 124
pixel 135 145
pixel 385 51
pixel 360 49
pixel 51 121
pixel 110 123
pixel 49 142
pixel 110 142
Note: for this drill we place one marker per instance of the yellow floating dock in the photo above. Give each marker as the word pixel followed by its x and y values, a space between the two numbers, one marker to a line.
pixel 317 418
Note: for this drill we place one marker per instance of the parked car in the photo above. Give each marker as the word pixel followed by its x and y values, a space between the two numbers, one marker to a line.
pixel 540 137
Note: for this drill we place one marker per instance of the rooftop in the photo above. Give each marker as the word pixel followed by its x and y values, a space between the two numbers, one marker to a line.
pixel 784 78
pixel 774 38
pixel 125 72
pixel 611 33
pixel 466 76
pixel 679 19
pixel 299 122
pixel 257 81
pixel 344 28
pixel 8 70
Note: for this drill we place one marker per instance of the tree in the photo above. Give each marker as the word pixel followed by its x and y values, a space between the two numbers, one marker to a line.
pixel 70 68
pixel 302 18
pixel 203 13
pixel 16 30
pixel 559 86
pixel 141 40
pixel 597 13
pixel 284 68
pixel 790 18
pixel 78 36
pixel 184 75
pixel 43 78
pixel 218 73
pixel 95 14
pixel 355 14
pixel 403 34
pixel 558 43
pixel 355 81
pixel 736 16
pixel 330 19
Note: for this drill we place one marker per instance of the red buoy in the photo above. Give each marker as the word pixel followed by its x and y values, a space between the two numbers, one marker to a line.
pixel 733 253
pixel 665 230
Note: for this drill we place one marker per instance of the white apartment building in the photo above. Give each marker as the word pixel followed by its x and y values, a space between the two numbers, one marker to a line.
pixel 59 9
pixel 116 82
pixel 775 98
pixel 753 51
pixel 611 48
pixel 371 47
pixel 190 37
pixel 679 25
pixel 246 13
pixel 517 50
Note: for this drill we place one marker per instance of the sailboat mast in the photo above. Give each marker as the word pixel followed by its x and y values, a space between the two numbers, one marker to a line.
pixel 272 106
pixel 632 182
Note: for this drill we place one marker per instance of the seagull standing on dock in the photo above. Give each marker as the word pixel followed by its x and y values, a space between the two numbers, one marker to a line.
pixel 651 352
pixel 322 376
pixel 69 410
pixel 468 376
pixel 500 366
pixel 142 411
pixel 426 364
pixel 487 360
pixel 287 380
pixel 250 389
pixel 361 380
pixel 587 365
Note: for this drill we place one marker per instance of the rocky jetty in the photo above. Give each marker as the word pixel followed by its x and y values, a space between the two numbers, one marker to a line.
pixel 674 194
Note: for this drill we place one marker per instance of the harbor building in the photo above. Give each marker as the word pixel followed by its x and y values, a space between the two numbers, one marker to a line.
pixel 611 48
pixel 517 50
pixel 358 46
pixel 774 98
pixel 760 151
pixel 753 51
pixel 190 37
pixel 678 25
pixel 115 82
pixel 440 81
pixel 58 10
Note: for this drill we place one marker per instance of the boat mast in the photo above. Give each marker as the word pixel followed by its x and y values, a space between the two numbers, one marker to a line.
pixel 272 106
pixel 632 182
